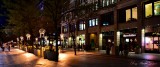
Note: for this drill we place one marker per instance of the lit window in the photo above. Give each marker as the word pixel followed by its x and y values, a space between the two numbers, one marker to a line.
pixel 148 10
pixel 157 8
pixel 90 22
pixel 134 13
pixel 131 14
pixel 105 23
pixel 128 14
pixel 93 22
pixel 96 21
pixel 82 25
pixel 65 29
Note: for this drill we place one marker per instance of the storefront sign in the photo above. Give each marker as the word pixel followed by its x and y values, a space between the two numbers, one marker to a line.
pixel 129 35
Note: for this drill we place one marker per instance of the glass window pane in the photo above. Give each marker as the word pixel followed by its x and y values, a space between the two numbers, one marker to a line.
pixel 84 26
pixel 155 42
pixel 148 43
pixel 93 22
pixel 90 22
pixel 80 27
pixel 157 8
pixel 96 21
pixel 148 10
pixel 128 14
pixel 134 13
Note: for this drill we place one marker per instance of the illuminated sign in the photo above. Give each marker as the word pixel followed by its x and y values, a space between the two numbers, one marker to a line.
pixel 129 35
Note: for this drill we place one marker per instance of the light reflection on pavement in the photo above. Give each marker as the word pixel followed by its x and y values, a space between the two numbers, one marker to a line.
pixel 19 58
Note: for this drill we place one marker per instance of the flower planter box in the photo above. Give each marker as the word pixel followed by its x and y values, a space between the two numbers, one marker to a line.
pixel 37 52
pixel 50 55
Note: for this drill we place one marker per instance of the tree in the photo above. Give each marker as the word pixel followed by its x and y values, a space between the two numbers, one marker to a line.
pixel 23 16
pixel 59 9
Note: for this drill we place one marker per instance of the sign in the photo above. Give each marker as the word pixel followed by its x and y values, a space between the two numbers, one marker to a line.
pixel 129 35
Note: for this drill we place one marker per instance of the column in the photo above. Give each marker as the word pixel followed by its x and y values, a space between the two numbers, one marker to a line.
pixel 86 34
pixel 115 47
pixel 140 30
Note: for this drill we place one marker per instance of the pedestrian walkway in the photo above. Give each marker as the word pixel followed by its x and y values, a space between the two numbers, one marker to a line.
pixel 131 55
pixel 19 58
pixel 145 56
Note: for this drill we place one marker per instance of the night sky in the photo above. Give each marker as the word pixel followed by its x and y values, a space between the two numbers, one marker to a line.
pixel 3 16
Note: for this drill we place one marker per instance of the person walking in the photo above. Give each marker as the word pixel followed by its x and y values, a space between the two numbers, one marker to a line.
pixel 3 46
pixel 9 46
pixel 121 49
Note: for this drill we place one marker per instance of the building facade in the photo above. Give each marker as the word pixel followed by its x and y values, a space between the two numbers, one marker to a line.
pixel 132 22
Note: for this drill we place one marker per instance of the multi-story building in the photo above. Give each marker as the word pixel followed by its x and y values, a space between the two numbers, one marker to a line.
pixel 132 22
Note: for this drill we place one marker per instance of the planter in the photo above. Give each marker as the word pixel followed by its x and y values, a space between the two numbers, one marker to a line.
pixel 45 55
pixel 37 52
pixel 50 55
pixel 30 49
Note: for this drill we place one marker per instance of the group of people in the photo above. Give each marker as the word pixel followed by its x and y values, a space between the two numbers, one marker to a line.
pixel 123 49
pixel 5 45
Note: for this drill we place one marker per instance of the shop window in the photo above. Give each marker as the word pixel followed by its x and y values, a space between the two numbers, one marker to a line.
pixel 157 8
pixel 148 10
pixel 151 43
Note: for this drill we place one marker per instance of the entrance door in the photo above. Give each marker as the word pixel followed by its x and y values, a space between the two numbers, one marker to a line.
pixel 131 41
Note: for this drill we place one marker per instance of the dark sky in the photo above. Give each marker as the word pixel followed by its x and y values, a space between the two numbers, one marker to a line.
pixel 2 15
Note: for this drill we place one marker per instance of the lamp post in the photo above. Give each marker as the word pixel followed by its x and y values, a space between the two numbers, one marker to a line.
pixel 46 40
pixel 22 38
pixel 28 42
pixel 36 42
pixel 42 32
pixel 28 36
pixel 18 43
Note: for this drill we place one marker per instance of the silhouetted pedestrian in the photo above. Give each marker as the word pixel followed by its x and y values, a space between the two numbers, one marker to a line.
pixel 121 48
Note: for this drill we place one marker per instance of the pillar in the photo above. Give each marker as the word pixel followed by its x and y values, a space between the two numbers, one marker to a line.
pixel 140 26
pixel 115 47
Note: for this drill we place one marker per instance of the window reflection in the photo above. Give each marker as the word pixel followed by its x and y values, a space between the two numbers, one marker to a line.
pixel 148 10
pixel 157 8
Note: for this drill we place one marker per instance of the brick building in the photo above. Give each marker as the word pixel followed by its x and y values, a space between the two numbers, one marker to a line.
pixel 132 22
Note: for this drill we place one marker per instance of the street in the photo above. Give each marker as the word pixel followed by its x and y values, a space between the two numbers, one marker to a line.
pixel 19 58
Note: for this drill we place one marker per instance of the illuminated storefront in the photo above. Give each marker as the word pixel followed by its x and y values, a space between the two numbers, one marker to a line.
pixel 152 42
pixel 108 38
pixel 80 41
pixel 128 36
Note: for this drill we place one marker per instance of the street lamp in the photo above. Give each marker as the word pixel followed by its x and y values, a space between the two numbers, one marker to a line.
pixel 22 38
pixel 28 36
pixel 42 32
pixel 18 43
pixel 46 41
